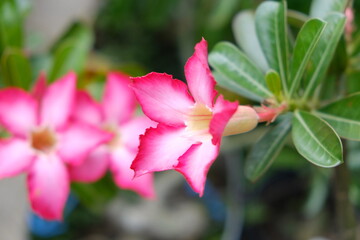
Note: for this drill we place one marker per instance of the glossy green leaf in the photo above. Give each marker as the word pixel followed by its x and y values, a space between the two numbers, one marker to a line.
pixel 344 116
pixel 245 35
pixel 16 69
pixel 11 31
pixel 267 149
pixel 315 140
pixel 271 28
pixel 306 42
pixel 273 82
pixel 321 8
pixel 237 71
pixel 71 52
pixel 323 54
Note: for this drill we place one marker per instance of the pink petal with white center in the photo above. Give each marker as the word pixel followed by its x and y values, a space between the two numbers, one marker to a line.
pixel 120 162
pixel 57 102
pixel 160 149
pixel 78 140
pixel 198 76
pixel 222 112
pixel 93 168
pixel 48 186
pixel 86 109
pixel 162 98
pixel 16 156
pixel 195 164
pixel 17 111
pixel 40 86
pixel 131 131
pixel 119 101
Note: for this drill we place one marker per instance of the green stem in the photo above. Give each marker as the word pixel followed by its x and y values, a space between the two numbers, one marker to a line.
pixel 344 209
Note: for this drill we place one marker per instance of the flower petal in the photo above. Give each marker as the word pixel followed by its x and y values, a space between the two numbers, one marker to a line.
pixel 93 168
pixel 15 157
pixel 119 101
pixel 78 140
pixel 222 112
pixel 160 149
pixel 131 131
pixel 18 111
pixel 124 177
pixel 48 185
pixel 40 86
pixel 195 164
pixel 86 109
pixel 198 76
pixel 162 98
pixel 243 120
pixel 57 102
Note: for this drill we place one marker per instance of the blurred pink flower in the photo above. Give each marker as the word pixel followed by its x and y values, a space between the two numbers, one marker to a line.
pixel 43 141
pixel 115 114
pixel 190 127
pixel 349 26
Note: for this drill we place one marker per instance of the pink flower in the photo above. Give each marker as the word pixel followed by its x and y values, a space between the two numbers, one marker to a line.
pixel 44 141
pixel 190 127
pixel 115 114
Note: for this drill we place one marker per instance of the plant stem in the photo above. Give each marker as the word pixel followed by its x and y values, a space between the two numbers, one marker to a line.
pixel 344 209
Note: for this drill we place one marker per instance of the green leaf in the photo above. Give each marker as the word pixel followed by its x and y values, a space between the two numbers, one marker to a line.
pixel 16 69
pixel 222 13
pixel 315 140
pixel 11 31
pixel 271 28
pixel 71 52
pixel 267 149
pixel 245 35
pixel 306 42
pixel 321 8
pixel 323 54
pixel 344 116
pixel 238 73
pixel 273 82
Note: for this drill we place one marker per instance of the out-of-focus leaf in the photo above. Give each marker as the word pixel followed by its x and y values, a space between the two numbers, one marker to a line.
pixel 267 149
pixel 23 6
pixel 296 18
pixel 271 28
pixel 70 53
pixel 344 116
pixel 306 42
pixel 245 35
pixel 319 189
pixel 273 82
pixel 323 53
pixel 239 73
pixel 11 32
pixel 95 195
pixel 16 69
pixel 315 140
pixel 321 8
pixel 352 82
pixel 222 13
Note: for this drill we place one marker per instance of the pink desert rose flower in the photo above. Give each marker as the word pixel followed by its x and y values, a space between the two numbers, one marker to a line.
pixel 116 114
pixel 191 121
pixel 43 141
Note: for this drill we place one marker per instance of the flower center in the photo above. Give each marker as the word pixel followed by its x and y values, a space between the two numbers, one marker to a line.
pixel 115 142
pixel 43 139
pixel 199 119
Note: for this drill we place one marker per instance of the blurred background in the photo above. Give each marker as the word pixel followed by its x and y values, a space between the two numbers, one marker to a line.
pixel 292 201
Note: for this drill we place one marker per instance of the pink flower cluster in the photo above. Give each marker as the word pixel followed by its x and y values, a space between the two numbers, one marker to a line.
pixel 60 134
